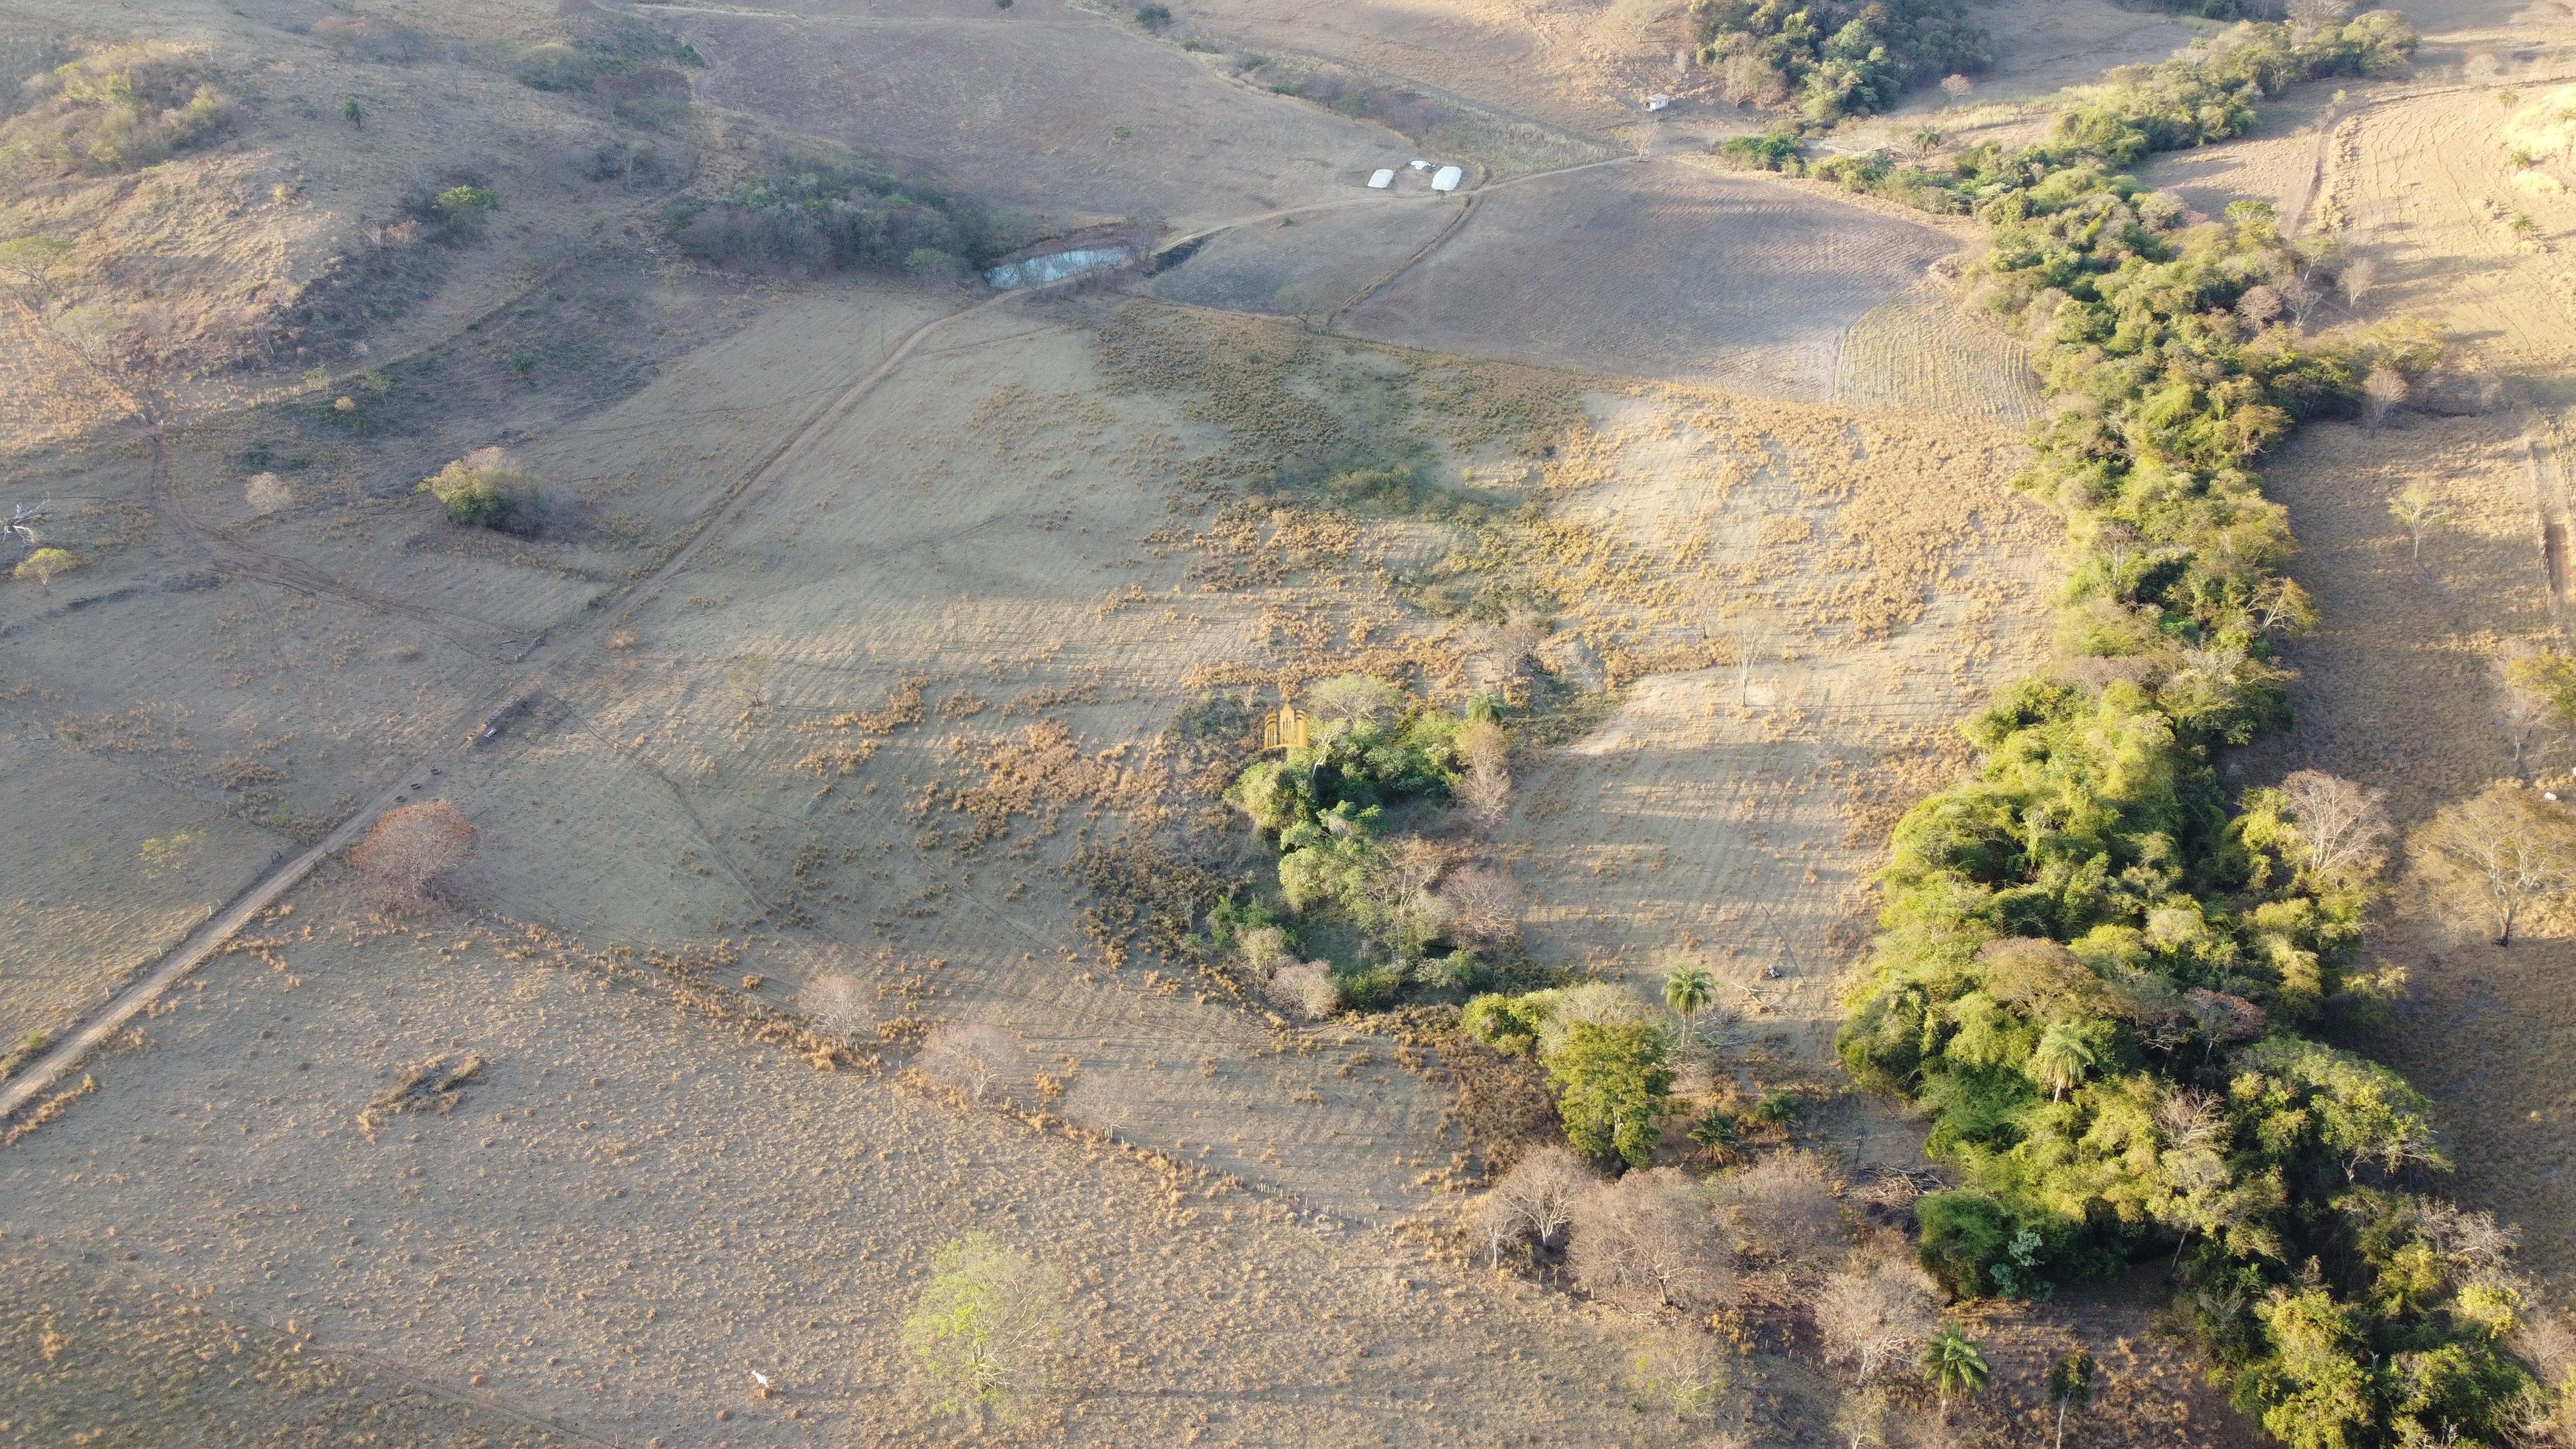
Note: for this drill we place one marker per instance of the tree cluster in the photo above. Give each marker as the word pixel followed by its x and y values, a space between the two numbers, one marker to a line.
pixel 1831 61
pixel 1423 917
pixel 818 216
pixel 2092 973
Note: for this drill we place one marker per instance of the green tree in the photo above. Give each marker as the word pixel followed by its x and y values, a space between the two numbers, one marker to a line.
pixel 1955 1365
pixel 983 1333
pixel 2070 1386
pixel 43 565
pixel 1614 1085
pixel 1925 138
pixel 351 113
pixel 1688 991
pixel 28 260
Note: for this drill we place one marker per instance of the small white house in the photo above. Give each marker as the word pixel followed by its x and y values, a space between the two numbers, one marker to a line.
pixel 1447 178
pixel 1382 178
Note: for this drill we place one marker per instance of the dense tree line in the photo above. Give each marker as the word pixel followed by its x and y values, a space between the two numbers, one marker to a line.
pixel 815 216
pixel 1832 61
pixel 2097 977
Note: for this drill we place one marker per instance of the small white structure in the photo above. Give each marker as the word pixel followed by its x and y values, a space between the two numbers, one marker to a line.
pixel 1420 165
pixel 1447 178
pixel 1382 178
pixel 1658 102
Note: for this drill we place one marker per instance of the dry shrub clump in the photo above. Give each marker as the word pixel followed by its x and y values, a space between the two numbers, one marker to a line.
pixel 410 852
pixel 1305 988
pixel 267 493
pixel 1480 908
pixel 1487 789
pixel 1785 1208
pixel 118 110
pixel 974 1057
pixel 1646 1241
pixel 1874 1315
pixel 839 1006
pixel 1534 1203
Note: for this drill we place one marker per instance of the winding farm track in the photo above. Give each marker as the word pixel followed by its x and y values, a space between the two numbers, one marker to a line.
pixel 547 654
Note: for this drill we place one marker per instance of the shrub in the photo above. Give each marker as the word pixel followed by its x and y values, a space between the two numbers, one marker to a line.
pixel 840 1006
pixel 1306 988
pixel 119 109
pixel 1153 16
pixel 974 1057
pixel 486 489
pixel 410 852
pixel 44 565
pixel 267 493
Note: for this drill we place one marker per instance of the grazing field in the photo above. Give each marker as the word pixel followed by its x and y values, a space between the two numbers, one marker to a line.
pixel 1751 286
pixel 1305 265
pixel 1063 112
pixel 853 680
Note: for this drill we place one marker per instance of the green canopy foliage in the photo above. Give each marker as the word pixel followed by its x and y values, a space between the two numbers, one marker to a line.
pixel 2090 972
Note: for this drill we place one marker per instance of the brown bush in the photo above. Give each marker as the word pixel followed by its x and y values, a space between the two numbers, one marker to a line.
pixel 1874 1315
pixel 409 853
pixel 840 1006
pixel 1785 1208
pixel 974 1057
pixel 1479 907
pixel 1533 1203
pixel 1647 1242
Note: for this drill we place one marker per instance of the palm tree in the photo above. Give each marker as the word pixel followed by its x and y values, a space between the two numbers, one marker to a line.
pixel 1925 138
pixel 1688 991
pixel 2061 1059
pixel 1955 1363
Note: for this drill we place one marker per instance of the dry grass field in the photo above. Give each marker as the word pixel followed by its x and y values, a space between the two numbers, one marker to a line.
pixel 1548 271
pixel 885 644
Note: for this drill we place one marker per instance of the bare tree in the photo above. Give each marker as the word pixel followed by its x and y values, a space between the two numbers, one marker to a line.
pixel 1535 1200
pixel 1875 1315
pixel 2521 707
pixel 1357 697
pixel 1683 1366
pixel 2505 849
pixel 2383 391
pixel 1860 1420
pixel 1957 87
pixel 410 851
pixel 1646 1241
pixel 2357 279
pixel 1305 988
pixel 2417 510
pixel 839 1006
pixel 2260 305
pixel 974 1057
pixel 1487 794
pixel 2308 17
pixel 1784 1207
pixel 1480 907
pixel 2343 829
pixel 1487 789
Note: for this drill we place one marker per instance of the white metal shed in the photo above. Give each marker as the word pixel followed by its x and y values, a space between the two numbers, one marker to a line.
pixel 1447 178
